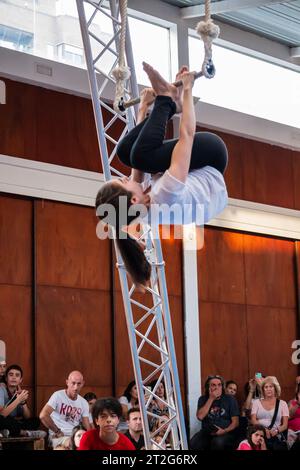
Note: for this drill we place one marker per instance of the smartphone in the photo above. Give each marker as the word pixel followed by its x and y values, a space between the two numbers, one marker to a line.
pixel 258 375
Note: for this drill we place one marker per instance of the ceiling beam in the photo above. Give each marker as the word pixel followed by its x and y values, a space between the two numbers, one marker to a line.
pixel 224 6
pixel 295 52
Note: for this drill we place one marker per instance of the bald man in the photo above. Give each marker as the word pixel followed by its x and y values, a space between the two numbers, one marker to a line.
pixel 65 410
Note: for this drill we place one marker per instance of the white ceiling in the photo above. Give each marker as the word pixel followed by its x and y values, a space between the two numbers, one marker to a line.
pixel 272 19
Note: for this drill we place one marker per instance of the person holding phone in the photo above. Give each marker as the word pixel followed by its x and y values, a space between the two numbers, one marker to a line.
pixel 252 391
pixel 219 414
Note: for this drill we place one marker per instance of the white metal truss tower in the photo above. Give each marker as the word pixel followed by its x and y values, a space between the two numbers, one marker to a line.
pixel 149 325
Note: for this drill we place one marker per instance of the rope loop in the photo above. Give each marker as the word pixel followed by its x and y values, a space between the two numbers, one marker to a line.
pixel 208 31
pixel 122 72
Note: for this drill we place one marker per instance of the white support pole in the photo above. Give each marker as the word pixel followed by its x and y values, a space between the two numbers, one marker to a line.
pixel 191 324
pixel 224 6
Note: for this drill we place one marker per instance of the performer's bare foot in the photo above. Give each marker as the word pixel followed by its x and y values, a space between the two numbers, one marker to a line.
pixel 161 86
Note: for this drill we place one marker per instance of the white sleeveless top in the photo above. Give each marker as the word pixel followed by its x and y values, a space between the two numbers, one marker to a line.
pixel 201 198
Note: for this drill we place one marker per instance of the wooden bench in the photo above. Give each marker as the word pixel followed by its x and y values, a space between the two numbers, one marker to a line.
pixel 22 443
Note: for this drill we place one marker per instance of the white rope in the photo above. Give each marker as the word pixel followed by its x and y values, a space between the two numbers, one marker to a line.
pixel 208 31
pixel 122 72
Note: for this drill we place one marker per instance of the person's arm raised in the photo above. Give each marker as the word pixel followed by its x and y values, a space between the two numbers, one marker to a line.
pixel 181 155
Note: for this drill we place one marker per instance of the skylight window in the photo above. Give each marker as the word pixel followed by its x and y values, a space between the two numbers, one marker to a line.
pixel 248 85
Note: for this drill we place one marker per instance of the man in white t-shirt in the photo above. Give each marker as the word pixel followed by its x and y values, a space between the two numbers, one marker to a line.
pixel 65 410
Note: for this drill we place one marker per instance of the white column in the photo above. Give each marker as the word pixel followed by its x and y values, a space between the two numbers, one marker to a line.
pixel 191 325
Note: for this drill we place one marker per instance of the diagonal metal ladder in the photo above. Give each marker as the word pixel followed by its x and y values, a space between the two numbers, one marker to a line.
pixel 149 324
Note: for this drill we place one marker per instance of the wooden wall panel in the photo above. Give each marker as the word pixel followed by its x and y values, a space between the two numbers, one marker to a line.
pixel 221 275
pixel 16 328
pixel 234 172
pixel 73 330
pixel 296 173
pixel 172 253
pixel 15 241
pixel 268 174
pixel 271 332
pixel 66 132
pixel 68 251
pixel 18 120
pixel 269 268
pixel 223 341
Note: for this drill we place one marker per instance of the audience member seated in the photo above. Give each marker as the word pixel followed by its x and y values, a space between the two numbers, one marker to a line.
pixel 15 413
pixel 158 404
pixel 128 400
pixel 76 436
pixel 256 438
pixel 272 413
pixel 219 414
pixel 135 429
pixel 106 416
pixel 294 421
pixel 2 371
pixel 91 398
pixel 65 410
pixel 159 431
pixel 231 388
pixel 252 391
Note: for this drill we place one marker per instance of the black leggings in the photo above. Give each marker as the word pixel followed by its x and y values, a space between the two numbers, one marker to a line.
pixel 145 149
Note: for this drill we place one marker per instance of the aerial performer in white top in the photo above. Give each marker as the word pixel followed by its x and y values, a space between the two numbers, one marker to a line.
pixel 187 171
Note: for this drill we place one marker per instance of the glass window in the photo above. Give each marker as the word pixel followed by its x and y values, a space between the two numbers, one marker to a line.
pixel 53 32
pixel 71 54
pixel 248 85
pixel 150 43
pixel 17 39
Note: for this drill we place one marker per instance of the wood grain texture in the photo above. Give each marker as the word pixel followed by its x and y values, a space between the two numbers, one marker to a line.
pixel 18 131
pixel 16 328
pixel 221 275
pixel 66 133
pixel 268 174
pixel 73 333
pixel 296 174
pixel 269 271
pixel 271 332
pixel 68 250
pixel 15 241
pixel 223 340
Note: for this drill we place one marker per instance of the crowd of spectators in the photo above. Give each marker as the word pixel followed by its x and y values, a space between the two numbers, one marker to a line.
pixel 262 421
